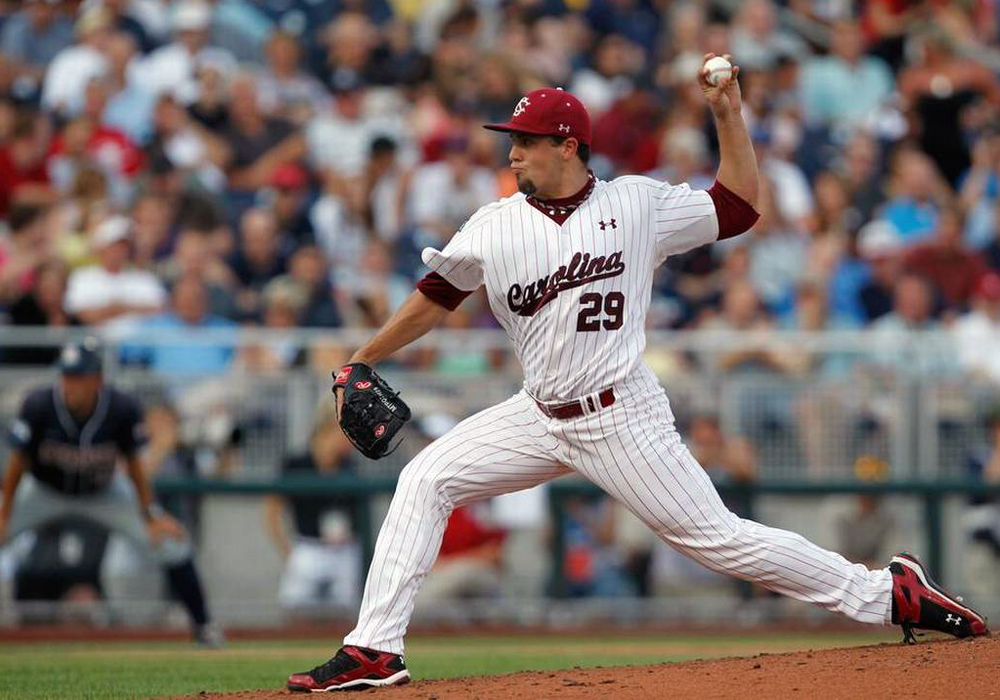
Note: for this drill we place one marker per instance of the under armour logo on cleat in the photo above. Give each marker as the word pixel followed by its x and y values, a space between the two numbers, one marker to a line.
pixel 605 224
pixel 953 618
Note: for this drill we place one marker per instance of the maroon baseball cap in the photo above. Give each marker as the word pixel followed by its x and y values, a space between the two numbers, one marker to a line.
pixel 548 112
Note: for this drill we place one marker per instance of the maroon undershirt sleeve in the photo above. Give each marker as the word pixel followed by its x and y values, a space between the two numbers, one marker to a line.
pixel 441 291
pixel 734 213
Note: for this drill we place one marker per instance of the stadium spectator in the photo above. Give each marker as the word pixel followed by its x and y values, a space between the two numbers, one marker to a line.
pixel 776 255
pixel 170 356
pixel 387 183
pixel 469 564
pixel 258 259
pixel 340 224
pixel 444 194
pixel 684 157
pixel 111 290
pixel 23 173
pixel 42 306
pixel 912 310
pixel 977 333
pixel 194 256
pixel 938 88
pixel 918 192
pixel 185 160
pixel 75 66
pixel 322 555
pixel 793 197
pixel 283 302
pixel 860 166
pixel 210 107
pixel 257 146
pixel 758 40
pixel 880 248
pixel 122 20
pixel 592 564
pixel 31 38
pixel 307 267
pixel 727 459
pixel 172 68
pixel 152 234
pixel 28 248
pixel 368 297
pixel 287 91
pixel 339 139
pixel 846 87
pixel 742 311
pixel 290 190
pixel 617 63
pixel 349 42
pixel 946 263
pixel 129 103
pixel 86 141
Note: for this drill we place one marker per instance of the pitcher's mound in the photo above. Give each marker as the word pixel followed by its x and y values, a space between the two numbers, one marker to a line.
pixel 933 669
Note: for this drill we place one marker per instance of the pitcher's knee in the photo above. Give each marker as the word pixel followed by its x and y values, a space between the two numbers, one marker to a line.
pixel 420 481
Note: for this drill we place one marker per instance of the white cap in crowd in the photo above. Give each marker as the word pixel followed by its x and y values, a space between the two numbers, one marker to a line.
pixel 191 16
pixel 878 239
pixel 111 230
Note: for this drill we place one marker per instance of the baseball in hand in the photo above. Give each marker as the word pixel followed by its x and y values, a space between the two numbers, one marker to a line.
pixel 717 70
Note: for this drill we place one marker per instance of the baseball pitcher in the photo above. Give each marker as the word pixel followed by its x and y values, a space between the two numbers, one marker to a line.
pixel 568 264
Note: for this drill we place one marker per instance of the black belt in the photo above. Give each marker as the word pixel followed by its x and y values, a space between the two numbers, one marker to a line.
pixel 579 407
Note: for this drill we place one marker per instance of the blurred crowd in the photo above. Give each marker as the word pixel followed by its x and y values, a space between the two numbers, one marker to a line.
pixel 282 163
pixel 181 164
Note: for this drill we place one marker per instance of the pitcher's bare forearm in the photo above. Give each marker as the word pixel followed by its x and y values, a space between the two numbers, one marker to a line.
pixel 414 319
pixel 737 161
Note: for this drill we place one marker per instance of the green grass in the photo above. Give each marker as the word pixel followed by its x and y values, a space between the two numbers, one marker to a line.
pixel 107 671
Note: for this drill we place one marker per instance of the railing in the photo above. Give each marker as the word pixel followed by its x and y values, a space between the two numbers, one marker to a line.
pixel 901 399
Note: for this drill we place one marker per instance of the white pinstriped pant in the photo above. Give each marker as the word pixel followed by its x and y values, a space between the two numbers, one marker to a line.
pixel 632 451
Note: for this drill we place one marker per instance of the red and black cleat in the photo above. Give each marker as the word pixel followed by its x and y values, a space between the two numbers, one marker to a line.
pixel 919 603
pixel 352 668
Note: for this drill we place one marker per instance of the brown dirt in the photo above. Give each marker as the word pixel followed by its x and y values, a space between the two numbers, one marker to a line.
pixel 932 669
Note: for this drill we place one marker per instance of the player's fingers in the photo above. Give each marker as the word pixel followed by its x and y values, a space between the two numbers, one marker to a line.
pixel 707 56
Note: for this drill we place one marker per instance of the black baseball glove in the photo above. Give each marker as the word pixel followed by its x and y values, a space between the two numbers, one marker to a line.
pixel 372 413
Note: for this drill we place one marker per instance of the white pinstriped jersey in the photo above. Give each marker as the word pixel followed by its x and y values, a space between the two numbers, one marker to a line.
pixel 573 297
